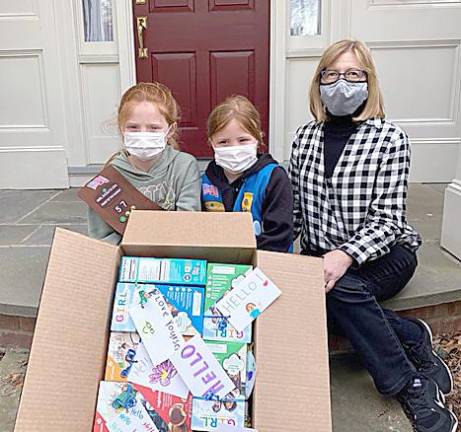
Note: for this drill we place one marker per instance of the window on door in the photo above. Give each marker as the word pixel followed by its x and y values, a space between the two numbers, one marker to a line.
pixel 98 21
pixel 305 17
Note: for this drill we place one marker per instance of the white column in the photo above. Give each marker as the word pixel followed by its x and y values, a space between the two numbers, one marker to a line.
pixel 451 225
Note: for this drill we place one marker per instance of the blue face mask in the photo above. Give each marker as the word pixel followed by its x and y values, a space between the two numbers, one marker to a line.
pixel 343 97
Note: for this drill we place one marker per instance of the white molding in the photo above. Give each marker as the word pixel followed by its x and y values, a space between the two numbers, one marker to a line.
pixel 302 53
pixel 125 37
pixel 438 141
pixel 451 234
pixel 451 122
pixel 68 42
pixel 420 43
pixel 412 4
pixel 34 168
pixel 455 186
pixel 29 16
pixel 341 18
pixel 277 78
pixel 33 15
pixel 19 52
pixel 13 149
pixel 98 58
pixel 23 128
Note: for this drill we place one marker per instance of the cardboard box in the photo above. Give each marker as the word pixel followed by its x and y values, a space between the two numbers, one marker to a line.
pixel 290 337
pixel 220 279
pixel 185 304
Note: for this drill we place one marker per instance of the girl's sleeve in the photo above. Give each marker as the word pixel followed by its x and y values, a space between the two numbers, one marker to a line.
pixel 188 187
pixel 98 229
pixel 277 214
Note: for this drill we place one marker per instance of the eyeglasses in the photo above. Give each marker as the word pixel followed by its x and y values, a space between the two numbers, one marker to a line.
pixel 330 76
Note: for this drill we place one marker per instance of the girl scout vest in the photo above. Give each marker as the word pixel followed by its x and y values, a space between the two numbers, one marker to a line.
pixel 249 199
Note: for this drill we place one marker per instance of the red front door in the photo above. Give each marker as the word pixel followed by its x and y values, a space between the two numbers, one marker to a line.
pixel 205 50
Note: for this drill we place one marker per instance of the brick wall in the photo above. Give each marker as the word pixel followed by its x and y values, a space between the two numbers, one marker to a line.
pixel 443 319
pixel 16 331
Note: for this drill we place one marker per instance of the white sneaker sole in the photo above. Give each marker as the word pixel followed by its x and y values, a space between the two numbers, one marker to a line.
pixel 455 426
pixel 441 403
pixel 426 326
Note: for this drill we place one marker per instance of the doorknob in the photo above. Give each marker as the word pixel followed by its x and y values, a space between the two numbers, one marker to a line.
pixel 141 23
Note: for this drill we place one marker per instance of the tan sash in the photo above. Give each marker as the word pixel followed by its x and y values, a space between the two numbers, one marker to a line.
pixel 113 197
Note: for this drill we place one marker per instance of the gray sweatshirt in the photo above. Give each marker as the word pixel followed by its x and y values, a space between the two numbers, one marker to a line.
pixel 173 183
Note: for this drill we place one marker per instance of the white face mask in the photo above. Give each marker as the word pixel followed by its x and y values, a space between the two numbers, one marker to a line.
pixel 145 145
pixel 236 159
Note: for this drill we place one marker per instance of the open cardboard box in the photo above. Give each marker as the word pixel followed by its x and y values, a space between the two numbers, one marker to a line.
pixel 68 352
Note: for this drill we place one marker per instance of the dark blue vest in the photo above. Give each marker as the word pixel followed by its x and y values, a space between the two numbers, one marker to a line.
pixel 249 199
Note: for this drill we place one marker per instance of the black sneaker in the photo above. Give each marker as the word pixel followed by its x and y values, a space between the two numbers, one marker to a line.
pixel 427 362
pixel 422 402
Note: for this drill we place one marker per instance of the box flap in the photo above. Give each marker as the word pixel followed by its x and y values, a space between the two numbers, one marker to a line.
pixel 223 237
pixel 292 390
pixel 70 340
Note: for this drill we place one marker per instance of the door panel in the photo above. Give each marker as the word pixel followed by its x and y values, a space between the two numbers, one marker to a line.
pixel 32 123
pixel 206 50
pixel 416 46
pixel 232 70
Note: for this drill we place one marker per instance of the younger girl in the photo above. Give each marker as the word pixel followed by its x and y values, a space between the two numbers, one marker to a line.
pixel 149 159
pixel 241 179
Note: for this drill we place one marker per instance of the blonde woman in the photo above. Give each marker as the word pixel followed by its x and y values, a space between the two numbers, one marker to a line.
pixel 349 171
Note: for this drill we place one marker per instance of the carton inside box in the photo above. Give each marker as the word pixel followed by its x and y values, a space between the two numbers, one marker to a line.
pixel 69 349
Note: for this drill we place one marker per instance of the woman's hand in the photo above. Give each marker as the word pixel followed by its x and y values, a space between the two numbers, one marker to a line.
pixel 335 264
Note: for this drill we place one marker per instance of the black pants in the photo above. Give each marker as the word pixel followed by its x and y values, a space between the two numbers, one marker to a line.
pixel 377 334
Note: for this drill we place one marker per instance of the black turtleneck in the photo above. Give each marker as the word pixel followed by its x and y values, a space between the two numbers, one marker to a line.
pixel 337 132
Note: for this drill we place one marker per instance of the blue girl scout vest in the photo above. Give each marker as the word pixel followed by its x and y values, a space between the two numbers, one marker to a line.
pixel 249 199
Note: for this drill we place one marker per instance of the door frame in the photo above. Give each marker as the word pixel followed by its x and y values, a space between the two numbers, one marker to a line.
pixel 277 66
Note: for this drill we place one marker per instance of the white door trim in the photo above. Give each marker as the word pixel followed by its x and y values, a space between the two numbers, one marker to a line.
pixel 127 64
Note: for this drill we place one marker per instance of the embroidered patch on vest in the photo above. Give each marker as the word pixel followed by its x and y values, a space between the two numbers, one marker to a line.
pixel 214 206
pixel 209 189
pixel 247 201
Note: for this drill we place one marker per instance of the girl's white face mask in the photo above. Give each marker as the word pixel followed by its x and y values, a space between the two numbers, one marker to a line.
pixel 145 145
pixel 236 159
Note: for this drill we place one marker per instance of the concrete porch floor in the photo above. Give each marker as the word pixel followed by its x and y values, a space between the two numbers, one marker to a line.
pixel 28 220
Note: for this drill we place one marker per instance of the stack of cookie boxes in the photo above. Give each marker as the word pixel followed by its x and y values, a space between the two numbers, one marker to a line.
pixel 150 397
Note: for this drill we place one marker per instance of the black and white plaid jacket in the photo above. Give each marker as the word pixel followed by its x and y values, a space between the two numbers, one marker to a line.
pixel 361 209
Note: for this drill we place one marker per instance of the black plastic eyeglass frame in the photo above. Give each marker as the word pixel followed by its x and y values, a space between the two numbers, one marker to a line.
pixel 363 79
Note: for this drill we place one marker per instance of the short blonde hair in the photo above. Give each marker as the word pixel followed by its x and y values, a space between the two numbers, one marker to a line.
pixel 374 106
pixel 237 108
pixel 158 94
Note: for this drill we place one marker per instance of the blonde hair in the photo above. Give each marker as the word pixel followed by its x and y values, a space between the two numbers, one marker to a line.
pixel 157 94
pixel 239 108
pixel 374 106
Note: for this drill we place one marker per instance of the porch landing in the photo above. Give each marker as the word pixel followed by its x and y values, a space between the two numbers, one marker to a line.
pixel 27 224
